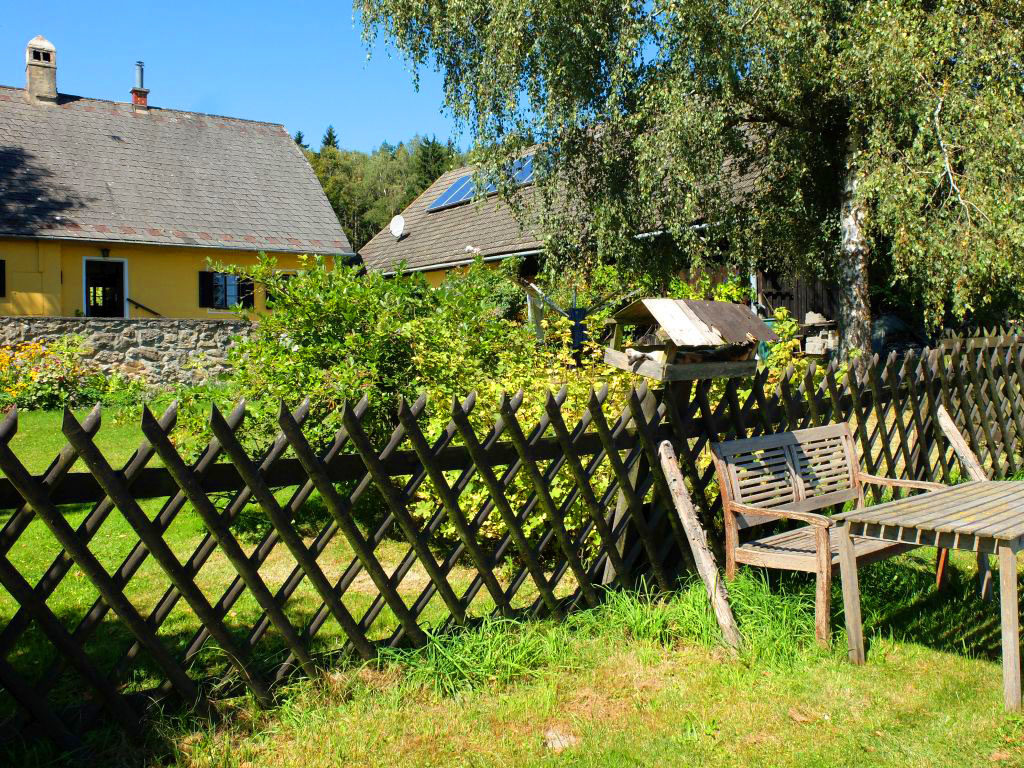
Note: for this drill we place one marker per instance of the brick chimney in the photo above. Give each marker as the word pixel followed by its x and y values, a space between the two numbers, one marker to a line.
pixel 140 95
pixel 40 71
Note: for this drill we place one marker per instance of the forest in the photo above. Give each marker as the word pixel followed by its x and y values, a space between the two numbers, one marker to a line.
pixel 367 189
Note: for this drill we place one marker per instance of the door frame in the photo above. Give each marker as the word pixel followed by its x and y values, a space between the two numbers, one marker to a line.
pixel 124 285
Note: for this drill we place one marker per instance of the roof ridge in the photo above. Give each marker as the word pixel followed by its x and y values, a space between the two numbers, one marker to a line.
pixel 75 98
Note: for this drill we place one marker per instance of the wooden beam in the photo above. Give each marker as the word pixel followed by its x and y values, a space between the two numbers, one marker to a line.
pixel 702 554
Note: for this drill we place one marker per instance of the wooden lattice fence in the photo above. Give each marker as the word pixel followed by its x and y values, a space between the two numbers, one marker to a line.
pixel 606 526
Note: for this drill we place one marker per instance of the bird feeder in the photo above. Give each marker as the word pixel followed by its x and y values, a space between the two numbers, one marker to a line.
pixel 686 339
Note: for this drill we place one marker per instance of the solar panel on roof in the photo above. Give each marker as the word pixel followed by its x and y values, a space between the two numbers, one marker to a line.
pixel 463 188
pixel 522 171
pixel 448 197
pixel 464 193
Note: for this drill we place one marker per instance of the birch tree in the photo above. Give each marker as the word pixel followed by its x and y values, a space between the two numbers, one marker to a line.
pixel 830 137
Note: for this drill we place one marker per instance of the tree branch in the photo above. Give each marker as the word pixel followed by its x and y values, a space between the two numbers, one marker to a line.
pixel 953 186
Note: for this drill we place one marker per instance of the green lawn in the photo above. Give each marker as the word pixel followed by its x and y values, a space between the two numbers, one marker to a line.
pixel 38 441
pixel 628 683
pixel 39 436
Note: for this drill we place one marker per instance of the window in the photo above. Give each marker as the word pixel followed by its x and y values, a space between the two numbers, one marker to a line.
pixel 218 290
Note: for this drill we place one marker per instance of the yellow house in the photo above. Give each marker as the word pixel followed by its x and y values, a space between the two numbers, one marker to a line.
pixel 111 209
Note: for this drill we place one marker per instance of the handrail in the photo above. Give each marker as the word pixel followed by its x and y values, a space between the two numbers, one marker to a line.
pixel 140 305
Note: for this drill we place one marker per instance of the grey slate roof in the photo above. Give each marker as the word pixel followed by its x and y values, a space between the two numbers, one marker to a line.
pixel 96 170
pixel 451 235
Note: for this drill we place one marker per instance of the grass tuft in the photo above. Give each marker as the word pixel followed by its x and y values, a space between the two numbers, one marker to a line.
pixel 777 627
pixel 639 615
pixel 497 651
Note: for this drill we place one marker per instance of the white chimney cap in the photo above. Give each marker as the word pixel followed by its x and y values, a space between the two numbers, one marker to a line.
pixel 42 43
pixel 46 52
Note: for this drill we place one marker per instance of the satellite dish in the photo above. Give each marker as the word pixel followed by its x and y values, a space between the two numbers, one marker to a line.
pixel 397 226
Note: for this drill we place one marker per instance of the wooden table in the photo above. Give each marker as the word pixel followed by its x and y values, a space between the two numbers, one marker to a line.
pixel 983 516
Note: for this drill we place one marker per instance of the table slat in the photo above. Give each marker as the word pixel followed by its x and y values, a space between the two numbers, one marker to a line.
pixel 985 509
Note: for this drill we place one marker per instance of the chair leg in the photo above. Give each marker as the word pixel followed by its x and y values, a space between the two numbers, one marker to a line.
pixel 823 589
pixel 851 595
pixel 731 542
pixel 823 608
pixel 1009 610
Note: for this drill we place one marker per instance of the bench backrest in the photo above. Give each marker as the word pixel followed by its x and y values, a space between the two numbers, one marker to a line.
pixel 802 471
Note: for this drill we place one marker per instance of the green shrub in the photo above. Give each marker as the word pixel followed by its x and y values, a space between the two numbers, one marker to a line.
pixel 336 335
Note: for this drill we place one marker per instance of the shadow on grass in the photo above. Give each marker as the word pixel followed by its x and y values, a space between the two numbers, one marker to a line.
pixel 899 600
pixel 76 705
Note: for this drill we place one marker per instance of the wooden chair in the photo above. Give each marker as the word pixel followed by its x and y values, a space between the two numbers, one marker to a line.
pixel 791 476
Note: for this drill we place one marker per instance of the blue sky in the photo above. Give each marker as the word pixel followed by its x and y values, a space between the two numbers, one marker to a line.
pixel 299 63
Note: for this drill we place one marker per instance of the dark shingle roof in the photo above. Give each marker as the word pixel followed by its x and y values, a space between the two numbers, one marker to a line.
pixel 449 236
pixel 452 236
pixel 96 170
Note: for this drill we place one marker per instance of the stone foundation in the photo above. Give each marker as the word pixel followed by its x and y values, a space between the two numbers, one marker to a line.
pixel 160 350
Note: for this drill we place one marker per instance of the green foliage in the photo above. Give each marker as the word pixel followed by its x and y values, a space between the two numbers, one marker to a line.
pixel 740 128
pixel 429 159
pixel 300 139
pixel 52 374
pixel 707 286
pixel 366 190
pixel 337 334
pixel 786 351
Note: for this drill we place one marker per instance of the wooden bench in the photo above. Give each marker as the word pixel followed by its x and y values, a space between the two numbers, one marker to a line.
pixel 791 476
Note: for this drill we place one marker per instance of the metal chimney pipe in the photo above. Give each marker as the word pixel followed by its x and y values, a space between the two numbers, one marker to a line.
pixel 140 96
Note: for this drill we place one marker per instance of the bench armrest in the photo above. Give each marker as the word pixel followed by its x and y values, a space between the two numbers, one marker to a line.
pixel 922 485
pixel 782 514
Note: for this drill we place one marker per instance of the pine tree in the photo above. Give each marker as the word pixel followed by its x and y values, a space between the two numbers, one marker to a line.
pixel 330 138
pixel 430 158
pixel 300 139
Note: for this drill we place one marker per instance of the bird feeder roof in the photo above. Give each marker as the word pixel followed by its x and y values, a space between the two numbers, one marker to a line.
pixel 693 323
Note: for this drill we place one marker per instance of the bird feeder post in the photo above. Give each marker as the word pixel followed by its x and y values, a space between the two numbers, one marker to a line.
pixel 685 340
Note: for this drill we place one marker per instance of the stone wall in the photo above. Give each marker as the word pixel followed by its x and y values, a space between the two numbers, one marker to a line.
pixel 160 350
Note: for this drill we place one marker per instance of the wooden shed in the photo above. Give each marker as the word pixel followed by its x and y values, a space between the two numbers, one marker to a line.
pixel 685 339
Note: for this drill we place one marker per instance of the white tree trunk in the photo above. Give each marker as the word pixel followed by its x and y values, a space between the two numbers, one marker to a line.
pixel 854 309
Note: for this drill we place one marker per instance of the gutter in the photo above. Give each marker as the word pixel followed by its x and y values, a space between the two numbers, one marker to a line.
pixel 466 262
pixel 218 245
pixel 659 232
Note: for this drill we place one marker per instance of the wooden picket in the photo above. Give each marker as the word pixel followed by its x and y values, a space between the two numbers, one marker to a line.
pixel 556 550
